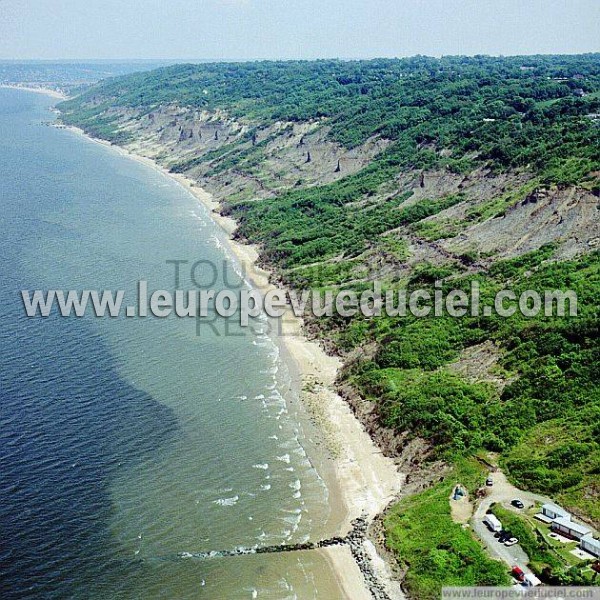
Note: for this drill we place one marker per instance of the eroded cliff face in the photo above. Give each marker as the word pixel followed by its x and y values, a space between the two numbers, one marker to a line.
pixel 567 217
pixel 503 215
pixel 236 159
pixel 499 215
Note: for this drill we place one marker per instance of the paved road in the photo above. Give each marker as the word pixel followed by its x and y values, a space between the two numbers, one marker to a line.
pixel 503 492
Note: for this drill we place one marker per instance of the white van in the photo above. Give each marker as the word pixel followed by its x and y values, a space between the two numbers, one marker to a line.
pixel 492 523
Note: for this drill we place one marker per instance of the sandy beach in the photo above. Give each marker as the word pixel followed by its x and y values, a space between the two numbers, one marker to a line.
pixel 38 90
pixel 363 482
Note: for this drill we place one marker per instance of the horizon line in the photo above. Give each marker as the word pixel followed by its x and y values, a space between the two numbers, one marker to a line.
pixel 290 59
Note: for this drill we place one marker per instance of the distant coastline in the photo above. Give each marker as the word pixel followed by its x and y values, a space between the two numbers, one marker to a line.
pixel 38 90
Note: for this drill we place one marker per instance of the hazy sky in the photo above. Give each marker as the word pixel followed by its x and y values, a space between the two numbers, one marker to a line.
pixel 241 29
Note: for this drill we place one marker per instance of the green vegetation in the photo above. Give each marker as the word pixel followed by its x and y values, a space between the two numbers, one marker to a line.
pixel 545 422
pixel 561 456
pixel 541 555
pixel 440 552
pixel 438 229
pixel 328 274
pixel 314 224
pixel 436 405
pixel 508 269
pixel 394 246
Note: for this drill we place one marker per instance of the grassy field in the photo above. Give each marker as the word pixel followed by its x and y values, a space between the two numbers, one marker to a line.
pixel 438 551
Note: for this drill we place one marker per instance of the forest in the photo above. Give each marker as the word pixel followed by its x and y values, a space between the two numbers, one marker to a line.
pixel 508 112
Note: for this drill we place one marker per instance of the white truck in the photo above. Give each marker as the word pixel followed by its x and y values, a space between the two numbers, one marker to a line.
pixel 492 523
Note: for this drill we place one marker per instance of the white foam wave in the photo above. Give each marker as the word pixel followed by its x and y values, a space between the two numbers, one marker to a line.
pixel 227 501
pixel 214 241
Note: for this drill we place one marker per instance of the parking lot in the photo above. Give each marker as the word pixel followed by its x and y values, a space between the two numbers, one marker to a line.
pixel 503 492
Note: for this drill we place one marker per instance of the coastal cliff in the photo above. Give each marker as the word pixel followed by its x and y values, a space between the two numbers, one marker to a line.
pixel 409 173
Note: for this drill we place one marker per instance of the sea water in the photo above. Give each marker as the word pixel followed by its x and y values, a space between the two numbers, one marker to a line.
pixel 128 445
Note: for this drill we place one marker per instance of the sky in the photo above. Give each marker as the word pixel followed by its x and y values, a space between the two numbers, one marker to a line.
pixel 293 29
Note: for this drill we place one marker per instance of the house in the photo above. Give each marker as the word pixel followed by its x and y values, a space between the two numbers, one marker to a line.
pixel 590 544
pixel 552 511
pixel 568 528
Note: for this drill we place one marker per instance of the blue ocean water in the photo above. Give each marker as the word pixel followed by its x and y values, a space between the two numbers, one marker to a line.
pixel 128 445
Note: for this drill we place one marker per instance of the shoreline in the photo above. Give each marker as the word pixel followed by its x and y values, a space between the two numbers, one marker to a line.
pixel 360 480
pixel 38 90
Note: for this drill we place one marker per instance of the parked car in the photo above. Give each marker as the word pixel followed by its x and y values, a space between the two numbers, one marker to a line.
pixel 511 541
pixel 504 535
pixel 517 503
pixel 489 481
pixel 518 573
